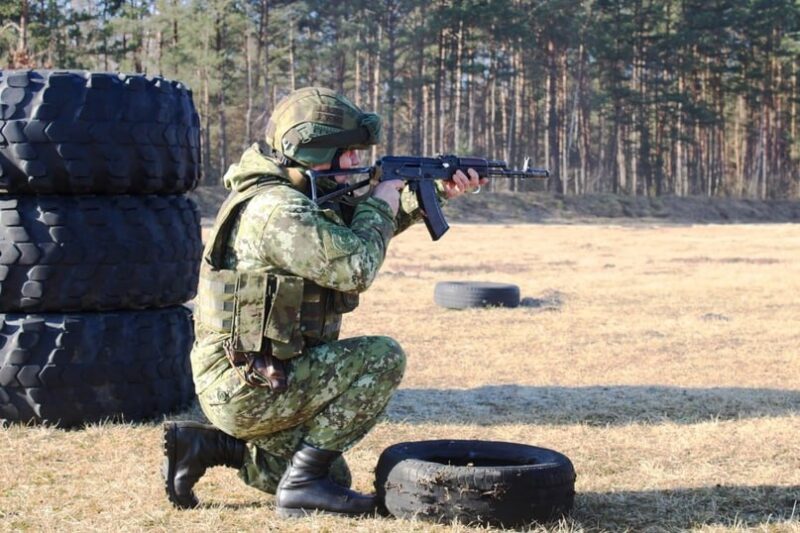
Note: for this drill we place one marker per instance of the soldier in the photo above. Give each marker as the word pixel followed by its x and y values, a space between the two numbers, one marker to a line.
pixel 284 395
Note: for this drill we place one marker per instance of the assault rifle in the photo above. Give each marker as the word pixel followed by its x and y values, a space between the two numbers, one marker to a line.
pixel 420 173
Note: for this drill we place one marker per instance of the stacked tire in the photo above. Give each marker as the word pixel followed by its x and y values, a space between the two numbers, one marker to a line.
pixel 99 246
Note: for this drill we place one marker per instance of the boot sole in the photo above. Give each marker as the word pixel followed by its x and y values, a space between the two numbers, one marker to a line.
pixel 286 512
pixel 168 468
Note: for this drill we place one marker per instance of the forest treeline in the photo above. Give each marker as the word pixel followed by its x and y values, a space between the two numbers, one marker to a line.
pixel 641 97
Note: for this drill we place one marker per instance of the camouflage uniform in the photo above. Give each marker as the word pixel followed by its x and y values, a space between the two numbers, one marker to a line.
pixel 337 388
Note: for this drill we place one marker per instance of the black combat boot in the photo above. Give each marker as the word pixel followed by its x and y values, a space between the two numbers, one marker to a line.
pixel 305 487
pixel 190 448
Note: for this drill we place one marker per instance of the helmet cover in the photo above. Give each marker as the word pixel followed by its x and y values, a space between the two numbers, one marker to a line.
pixel 310 125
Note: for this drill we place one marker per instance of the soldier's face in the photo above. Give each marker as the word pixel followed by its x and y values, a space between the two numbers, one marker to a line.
pixel 348 159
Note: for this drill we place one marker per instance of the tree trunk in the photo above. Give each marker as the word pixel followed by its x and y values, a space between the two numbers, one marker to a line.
pixel 208 177
pixel 738 157
pixel 174 24
pixel 376 81
pixel 793 153
pixel 292 83
pixel 517 115
pixel 160 53
pixel 426 120
pixel 553 130
pixel 491 130
pixel 419 118
pixel 563 125
pixel 457 86
pixel 248 116
pixel 621 181
pixel 634 129
pixel 548 92
pixel 679 170
pixel 438 144
pixel 340 61
pixel 138 64
pixel 22 44
pixel 262 58
pixel 357 88
pixel 584 122
pixel 391 50
pixel 223 137
pixel 471 108
pixel 504 122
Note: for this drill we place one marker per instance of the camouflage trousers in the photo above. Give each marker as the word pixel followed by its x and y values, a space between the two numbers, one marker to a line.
pixel 337 391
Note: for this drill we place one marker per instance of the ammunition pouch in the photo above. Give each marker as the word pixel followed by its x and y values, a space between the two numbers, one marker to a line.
pixel 288 311
pixel 269 316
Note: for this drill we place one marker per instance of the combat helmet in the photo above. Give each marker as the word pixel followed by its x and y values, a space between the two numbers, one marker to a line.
pixel 311 125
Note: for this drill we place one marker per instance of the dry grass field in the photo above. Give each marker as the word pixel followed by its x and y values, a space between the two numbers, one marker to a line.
pixel 663 360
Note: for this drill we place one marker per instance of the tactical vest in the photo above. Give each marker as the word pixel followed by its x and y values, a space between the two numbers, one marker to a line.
pixel 256 307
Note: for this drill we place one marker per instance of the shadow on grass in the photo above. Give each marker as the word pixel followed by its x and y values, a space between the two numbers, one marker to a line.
pixel 596 405
pixel 682 509
pixel 658 510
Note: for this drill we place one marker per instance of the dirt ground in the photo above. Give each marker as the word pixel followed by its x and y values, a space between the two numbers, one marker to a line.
pixel 661 358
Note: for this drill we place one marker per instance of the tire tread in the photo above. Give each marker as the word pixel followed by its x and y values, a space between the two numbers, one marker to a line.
pixel 79 132
pixel 468 294
pixel 87 367
pixel 411 486
pixel 96 253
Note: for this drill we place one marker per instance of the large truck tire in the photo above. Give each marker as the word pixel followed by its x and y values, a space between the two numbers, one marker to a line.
pixel 70 369
pixel 475 482
pixel 79 132
pixel 96 253
pixel 468 294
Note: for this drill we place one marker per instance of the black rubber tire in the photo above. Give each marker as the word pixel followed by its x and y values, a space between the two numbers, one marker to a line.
pixel 79 132
pixel 97 253
pixel 69 369
pixel 466 294
pixel 475 482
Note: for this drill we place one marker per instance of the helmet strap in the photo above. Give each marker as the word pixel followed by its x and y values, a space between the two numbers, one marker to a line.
pixel 336 157
pixel 282 159
pixel 272 153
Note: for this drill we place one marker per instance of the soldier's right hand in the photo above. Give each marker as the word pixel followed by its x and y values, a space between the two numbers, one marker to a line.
pixel 389 192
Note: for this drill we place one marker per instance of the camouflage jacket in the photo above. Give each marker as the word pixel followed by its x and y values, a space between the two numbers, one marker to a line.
pixel 282 231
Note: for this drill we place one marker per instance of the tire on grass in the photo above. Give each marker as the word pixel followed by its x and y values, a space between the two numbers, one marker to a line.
pixel 96 253
pixel 79 132
pixel 467 294
pixel 70 369
pixel 475 482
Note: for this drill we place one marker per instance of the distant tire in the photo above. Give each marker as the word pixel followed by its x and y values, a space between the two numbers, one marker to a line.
pixel 475 482
pixel 96 253
pixel 79 132
pixel 68 369
pixel 466 294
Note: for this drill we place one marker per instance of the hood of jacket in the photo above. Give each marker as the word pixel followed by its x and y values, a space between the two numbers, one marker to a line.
pixel 253 167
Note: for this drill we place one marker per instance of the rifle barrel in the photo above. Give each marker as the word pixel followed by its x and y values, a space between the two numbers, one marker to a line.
pixel 530 173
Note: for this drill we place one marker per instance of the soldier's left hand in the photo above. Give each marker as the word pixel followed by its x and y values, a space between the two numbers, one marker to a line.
pixel 460 183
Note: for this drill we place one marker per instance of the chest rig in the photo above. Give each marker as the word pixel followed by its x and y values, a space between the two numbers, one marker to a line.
pixel 263 311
